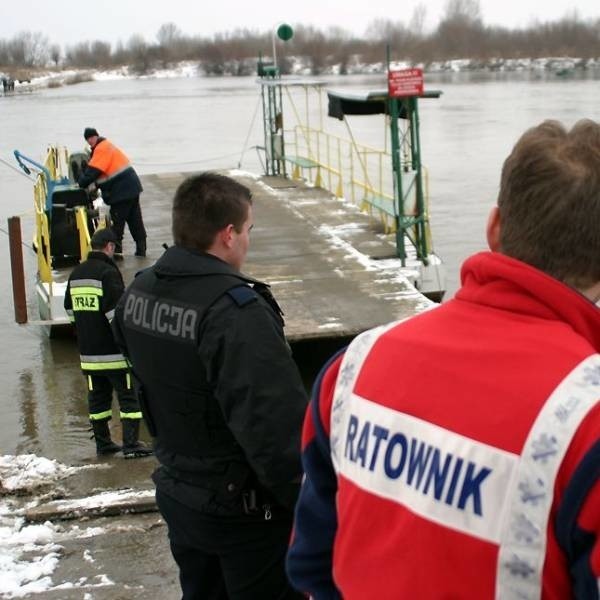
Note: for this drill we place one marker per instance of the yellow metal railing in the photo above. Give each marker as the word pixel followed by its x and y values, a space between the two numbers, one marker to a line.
pixel 42 226
pixel 56 162
pixel 338 164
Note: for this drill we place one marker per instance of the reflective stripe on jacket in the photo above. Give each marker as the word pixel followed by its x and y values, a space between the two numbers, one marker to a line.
pixel 112 172
pixel 93 291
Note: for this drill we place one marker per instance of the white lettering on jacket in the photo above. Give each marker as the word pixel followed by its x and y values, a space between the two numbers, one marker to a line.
pixel 159 317
pixel 443 476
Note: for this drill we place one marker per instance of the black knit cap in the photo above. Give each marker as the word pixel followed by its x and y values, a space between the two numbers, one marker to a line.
pixel 101 237
pixel 88 132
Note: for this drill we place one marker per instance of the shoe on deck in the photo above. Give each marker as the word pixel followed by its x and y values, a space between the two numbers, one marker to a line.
pixel 138 451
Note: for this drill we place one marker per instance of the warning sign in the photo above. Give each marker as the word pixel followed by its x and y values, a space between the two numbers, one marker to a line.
pixel 405 82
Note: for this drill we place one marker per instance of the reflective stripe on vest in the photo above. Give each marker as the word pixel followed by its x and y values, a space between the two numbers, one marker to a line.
pixel 456 481
pixel 106 178
pixel 103 362
pixel 523 544
pixel 84 283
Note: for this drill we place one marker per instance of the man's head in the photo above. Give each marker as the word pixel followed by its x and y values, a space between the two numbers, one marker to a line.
pixel 548 212
pixel 91 136
pixel 104 240
pixel 213 213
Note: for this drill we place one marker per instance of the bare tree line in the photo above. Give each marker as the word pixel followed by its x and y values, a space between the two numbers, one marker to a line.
pixel 461 33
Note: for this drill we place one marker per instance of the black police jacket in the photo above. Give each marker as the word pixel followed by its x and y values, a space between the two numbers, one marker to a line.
pixel 93 290
pixel 222 394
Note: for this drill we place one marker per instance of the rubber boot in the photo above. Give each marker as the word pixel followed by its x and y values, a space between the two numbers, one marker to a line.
pixel 104 445
pixel 132 447
pixel 118 255
pixel 140 248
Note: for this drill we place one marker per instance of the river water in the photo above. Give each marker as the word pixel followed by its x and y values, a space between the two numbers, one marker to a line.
pixel 198 123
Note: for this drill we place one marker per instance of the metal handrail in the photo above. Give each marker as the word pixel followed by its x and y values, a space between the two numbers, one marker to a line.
pixel 364 170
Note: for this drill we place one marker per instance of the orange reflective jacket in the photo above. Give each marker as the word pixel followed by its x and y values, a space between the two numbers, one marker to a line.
pixel 108 159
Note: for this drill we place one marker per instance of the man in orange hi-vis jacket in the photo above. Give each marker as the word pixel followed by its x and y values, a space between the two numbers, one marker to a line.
pixel 110 169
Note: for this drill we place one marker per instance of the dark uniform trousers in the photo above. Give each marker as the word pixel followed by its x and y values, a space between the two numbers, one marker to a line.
pixel 228 558
pixel 100 389
pixel 128 211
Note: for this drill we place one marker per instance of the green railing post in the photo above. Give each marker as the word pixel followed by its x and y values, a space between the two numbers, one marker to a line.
pixel 397 176
pixel 272 105
pixel 421 227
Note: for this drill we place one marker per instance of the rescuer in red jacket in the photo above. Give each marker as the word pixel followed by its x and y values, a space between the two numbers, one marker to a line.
pixel 455 454
pixel 110 169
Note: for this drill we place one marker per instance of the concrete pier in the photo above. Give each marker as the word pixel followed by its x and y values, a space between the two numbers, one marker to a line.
pixel 331 269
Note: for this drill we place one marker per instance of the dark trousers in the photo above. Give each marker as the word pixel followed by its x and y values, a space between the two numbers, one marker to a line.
pixel 128 211
pixel 100 391
pixel 224 558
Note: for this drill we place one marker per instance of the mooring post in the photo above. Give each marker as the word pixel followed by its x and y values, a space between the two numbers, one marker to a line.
pixel 17 269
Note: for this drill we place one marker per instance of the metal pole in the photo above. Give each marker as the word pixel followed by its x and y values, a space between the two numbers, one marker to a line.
pixel 422 245
pixel 17 269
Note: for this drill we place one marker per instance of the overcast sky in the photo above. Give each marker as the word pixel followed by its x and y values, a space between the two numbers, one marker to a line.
pixel 67 22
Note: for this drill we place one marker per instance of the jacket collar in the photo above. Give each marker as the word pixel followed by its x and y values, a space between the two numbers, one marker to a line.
pixel 99 255
pixel 100 140
pixel 496 280
pixel 185 262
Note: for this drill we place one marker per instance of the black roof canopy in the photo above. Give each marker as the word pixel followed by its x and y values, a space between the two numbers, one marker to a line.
pixel 370 102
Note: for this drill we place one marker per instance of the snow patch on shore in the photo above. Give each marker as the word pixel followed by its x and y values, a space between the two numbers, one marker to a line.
pixel 29 553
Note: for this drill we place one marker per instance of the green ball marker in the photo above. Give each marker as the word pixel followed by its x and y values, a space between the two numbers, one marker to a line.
pixel 285 32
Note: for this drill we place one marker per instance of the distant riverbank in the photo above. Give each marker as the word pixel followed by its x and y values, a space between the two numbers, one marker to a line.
pixel 559 66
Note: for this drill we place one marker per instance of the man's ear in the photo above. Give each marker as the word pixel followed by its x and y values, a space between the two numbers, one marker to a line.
pixel 226 235
pixel 493 229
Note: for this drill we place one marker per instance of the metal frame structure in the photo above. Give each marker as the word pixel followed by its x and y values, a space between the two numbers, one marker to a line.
pixel 272 105
pixel 401 199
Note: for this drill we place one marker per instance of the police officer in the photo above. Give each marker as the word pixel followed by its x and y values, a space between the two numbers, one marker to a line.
pixel 223 396
pixel 93 289
pixel 120 185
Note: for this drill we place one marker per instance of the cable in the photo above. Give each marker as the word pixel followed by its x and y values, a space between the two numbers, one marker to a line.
pixel 29 247
pixel 189 162
pixel 245 147
pixel 17 170
pixel 262 165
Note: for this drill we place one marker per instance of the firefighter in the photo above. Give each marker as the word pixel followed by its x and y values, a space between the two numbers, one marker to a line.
pixel 110 170
pixel 93 289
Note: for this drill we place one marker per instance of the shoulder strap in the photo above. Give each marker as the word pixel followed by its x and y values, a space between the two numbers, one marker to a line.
pixel 242 295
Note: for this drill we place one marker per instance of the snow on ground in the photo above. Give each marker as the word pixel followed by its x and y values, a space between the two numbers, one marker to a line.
pixel 19 575
pixel 27 471
pixel 57 78
pixel 30 553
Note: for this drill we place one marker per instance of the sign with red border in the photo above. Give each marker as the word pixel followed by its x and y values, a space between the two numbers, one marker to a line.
pixel 405 82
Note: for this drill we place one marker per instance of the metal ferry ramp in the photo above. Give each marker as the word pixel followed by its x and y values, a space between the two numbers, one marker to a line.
pixel 329 265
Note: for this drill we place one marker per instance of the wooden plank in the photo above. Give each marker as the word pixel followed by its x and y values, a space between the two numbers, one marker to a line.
pixel 109 503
